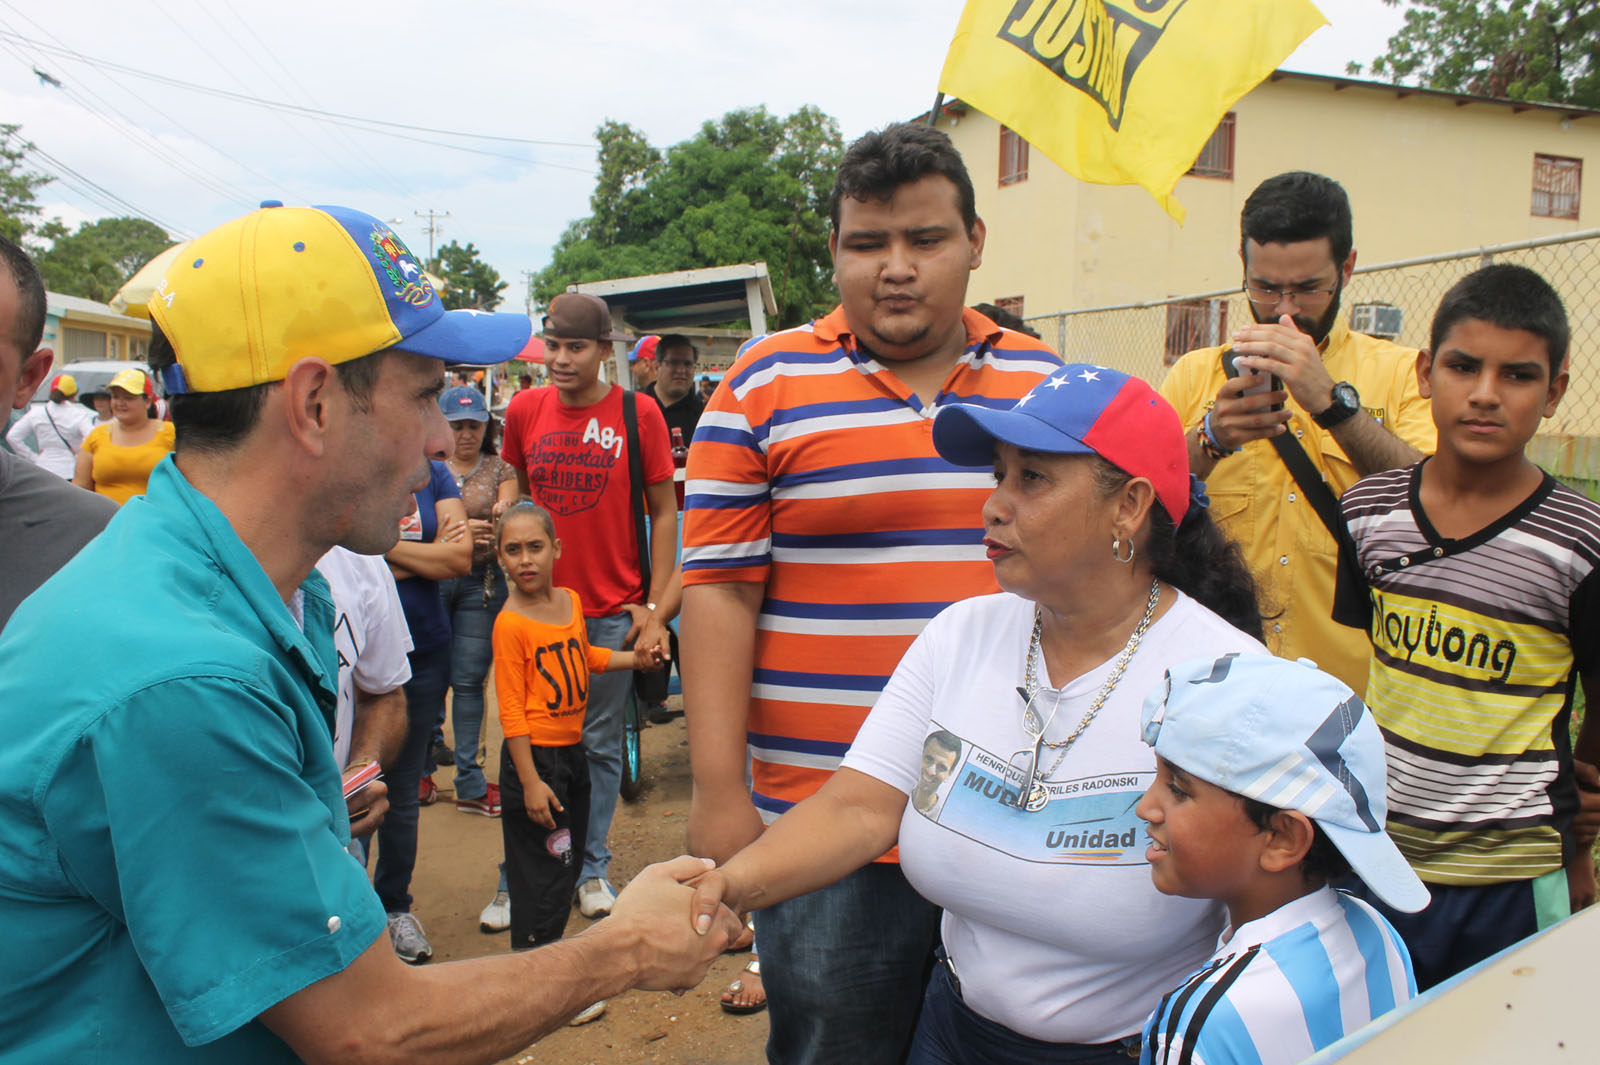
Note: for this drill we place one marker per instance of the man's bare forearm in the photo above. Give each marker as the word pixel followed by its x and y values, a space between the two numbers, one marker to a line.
pixel 379 727
pixel 1370 447
pixel 485 1009
pixel 717 640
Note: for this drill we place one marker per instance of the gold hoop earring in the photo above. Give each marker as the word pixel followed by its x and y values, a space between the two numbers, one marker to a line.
pixel 1116 550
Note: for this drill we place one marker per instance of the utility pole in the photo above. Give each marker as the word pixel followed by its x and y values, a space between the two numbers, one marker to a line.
pixel 527 284
pixel 434 228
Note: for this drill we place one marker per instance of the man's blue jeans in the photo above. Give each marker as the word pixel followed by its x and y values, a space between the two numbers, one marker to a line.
pixel 844 969
pixel 471 654
pixel 397 836
pixel 602 743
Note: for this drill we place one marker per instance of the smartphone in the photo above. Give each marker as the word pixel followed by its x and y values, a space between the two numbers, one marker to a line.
pixel 1232 370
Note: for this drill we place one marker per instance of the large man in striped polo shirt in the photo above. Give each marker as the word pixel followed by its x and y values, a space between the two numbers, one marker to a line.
pixel 822 532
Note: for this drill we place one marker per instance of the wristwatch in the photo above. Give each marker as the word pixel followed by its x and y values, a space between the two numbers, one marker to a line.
pixel 1346 402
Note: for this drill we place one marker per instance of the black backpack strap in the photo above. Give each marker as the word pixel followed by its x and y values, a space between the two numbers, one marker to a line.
pixel 630 429
pixel 1312 486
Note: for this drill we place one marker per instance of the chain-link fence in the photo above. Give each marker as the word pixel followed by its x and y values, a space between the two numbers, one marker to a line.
pixel 1394 300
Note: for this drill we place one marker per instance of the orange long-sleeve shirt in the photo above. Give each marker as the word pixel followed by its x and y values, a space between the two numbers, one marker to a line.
pixel 541 676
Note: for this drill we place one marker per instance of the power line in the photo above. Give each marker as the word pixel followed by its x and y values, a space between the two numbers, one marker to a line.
pixel 98 193
pixel 127 129
pixel 270 181
pixel 336 136
pixel 258 101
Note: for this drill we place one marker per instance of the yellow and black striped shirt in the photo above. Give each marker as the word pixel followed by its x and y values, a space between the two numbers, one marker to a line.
pixel 1476 644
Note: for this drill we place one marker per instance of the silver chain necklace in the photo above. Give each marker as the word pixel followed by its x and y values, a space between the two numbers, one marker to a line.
pixel 1038 796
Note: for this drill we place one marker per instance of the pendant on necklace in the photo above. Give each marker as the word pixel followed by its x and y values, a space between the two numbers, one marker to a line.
pixel 1038 797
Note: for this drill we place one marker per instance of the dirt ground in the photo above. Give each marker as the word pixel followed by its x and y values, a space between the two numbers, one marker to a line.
pixel 457 861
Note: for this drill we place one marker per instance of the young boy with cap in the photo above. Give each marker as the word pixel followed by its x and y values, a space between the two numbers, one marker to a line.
pixel 1269 785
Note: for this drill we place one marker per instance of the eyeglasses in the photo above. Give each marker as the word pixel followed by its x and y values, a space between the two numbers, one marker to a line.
pixel 1268 295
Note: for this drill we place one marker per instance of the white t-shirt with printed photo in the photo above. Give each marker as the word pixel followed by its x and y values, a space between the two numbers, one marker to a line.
pixel 1051 920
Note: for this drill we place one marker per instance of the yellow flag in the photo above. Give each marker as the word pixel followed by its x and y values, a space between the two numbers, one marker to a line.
pixel 1119 92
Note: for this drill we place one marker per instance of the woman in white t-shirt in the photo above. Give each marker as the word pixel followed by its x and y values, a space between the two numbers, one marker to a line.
pixel 1004 754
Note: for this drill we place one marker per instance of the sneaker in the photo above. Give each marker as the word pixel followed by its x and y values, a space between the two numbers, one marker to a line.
pixel 595 898
pixel 442 754
pixel 496 917
pixel 589 1013
pixel 489 805
pixel 405 933
pixel 427 792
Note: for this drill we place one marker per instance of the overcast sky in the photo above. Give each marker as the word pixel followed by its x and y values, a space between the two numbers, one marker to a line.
pixel 193 157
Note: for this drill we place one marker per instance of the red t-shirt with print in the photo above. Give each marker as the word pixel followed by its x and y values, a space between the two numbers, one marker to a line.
pixel 576 459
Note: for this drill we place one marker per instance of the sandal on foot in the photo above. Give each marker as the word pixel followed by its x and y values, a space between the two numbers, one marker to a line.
pixel 753 989
pixel 744 940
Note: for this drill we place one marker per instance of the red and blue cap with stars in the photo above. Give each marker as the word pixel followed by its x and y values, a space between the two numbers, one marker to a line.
pixel 1080 409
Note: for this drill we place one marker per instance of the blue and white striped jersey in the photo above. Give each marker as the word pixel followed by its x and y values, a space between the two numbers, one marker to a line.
pixel 1281 988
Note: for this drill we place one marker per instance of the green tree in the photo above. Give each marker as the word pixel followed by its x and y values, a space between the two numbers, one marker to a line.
pixel 19 211
pixel 96 260
pixel 1543 51
pixel 749 186
pixel 471 283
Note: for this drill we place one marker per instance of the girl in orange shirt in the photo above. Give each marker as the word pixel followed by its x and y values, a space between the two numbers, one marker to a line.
pixel 542 662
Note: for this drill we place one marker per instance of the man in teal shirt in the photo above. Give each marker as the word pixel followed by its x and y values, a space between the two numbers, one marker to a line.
pixel 173 879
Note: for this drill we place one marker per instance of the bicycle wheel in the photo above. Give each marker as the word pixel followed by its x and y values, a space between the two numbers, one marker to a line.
pixel 632 760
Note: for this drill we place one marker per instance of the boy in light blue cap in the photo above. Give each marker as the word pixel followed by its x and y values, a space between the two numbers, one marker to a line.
pixel 1269 786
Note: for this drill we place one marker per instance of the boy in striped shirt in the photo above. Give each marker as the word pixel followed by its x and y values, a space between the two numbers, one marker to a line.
pixel 1269 786
pixel 1474 574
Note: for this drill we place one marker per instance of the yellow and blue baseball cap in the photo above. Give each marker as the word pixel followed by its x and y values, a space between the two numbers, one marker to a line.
pixel 252 297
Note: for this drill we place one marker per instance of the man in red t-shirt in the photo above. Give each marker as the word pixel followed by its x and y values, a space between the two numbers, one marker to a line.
pixel 569 447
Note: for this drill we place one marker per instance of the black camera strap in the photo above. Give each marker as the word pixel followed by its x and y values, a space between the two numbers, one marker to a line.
pixel 1312 486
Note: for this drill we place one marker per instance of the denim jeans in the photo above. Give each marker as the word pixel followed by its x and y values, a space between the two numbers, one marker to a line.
pixel 844 969
pixel 397 836
pixel 602 743
pixel 951 1033
pixel 471 654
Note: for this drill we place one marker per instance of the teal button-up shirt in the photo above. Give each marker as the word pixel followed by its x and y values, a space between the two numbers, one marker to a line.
pixel 172 831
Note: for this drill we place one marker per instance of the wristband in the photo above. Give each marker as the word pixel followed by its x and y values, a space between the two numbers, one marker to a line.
pixel 1209 442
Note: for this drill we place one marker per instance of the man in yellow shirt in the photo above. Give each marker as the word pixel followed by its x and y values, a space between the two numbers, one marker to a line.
pixel 1349 401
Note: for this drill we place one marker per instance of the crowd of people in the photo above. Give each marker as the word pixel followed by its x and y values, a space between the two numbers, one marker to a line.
pixel 1036 714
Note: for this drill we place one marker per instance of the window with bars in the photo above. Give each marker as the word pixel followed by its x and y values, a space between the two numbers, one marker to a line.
pixel 1194 324
pixel 1013 157
pixel 1557 183
pixel 1216 158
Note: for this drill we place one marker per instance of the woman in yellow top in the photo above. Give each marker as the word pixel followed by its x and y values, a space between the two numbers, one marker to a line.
pixel 118 456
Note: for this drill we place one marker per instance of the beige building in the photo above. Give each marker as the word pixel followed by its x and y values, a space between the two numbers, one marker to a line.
pixel 79 328
pixel 1427 172
pixel 1106 276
